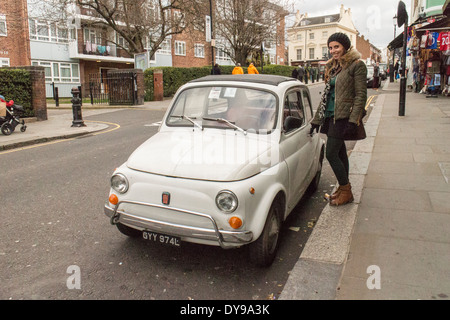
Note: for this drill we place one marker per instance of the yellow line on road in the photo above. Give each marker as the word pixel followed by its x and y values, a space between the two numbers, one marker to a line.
pixel 369 101
pixel 117 126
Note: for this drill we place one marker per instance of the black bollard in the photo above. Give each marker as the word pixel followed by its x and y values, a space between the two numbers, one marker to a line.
pixel 76 108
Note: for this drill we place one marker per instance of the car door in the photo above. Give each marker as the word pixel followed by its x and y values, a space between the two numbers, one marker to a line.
pixel 297 147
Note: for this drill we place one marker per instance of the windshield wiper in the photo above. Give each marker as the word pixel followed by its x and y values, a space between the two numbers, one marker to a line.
pixel 191 120
pixel 230 124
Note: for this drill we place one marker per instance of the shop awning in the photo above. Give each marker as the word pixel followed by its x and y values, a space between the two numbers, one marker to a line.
pixel 396 43
pixel 440 25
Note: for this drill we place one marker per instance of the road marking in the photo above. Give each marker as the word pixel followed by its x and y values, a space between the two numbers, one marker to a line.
pixel 117 126
pixel 156 124
pixel 369 101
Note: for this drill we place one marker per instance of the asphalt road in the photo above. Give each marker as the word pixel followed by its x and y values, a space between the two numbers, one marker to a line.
pixel 54 234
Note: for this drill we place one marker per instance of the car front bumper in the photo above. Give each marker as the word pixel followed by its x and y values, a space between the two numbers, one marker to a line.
pixel 223 238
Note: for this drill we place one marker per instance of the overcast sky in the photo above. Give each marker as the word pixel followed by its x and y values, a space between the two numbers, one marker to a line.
pixel 373 18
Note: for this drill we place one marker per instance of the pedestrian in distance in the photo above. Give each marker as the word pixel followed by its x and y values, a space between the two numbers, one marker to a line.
pixel 376 76
pixel 301 73
pixel 238 69
pixel 252 69
pixel 294 73
pixel 306 75
pixel 216 69
pixel 341 109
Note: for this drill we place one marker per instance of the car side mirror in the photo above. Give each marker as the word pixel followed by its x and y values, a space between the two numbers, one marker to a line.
pixel 291 123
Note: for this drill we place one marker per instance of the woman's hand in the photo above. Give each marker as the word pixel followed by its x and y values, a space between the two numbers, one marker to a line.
pixel 314 127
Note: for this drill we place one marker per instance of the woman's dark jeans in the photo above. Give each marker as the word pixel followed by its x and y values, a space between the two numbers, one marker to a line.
pixel 336 154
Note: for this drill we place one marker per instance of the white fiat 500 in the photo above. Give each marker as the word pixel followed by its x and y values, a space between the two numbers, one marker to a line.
pixel 231 159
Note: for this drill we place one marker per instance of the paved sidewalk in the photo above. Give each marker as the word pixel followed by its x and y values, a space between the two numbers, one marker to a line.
pixel 393 242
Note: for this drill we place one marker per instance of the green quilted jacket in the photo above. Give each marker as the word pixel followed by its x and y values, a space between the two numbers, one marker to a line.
pixel 351 89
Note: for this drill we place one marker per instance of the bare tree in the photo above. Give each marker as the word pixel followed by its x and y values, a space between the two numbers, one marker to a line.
pixel 142 24
pixel 244 25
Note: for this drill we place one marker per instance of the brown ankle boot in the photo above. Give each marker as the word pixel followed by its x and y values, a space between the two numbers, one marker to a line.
pixel 344 196
pixel 336 193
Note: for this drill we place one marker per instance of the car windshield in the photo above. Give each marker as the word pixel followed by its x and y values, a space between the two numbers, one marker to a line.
pixel 237 108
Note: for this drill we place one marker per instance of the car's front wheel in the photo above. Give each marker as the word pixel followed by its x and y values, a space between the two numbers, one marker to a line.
pixel 263 250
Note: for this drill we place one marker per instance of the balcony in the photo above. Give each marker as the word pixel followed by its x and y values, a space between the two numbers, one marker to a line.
pixel 93 52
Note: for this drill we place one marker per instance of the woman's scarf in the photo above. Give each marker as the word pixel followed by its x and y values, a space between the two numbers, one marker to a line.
pixel 323 101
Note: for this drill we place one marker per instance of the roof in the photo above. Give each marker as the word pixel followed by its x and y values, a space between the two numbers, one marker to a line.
pixel 253 78
pixel 320 20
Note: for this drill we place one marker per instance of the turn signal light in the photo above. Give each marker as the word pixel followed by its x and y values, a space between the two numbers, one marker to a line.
pixel 113 199
pixel 235 222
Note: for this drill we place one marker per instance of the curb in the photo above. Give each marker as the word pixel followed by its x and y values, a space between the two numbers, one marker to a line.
pixel 317 273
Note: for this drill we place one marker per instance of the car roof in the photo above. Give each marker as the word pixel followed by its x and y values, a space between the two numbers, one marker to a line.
pixel 273 80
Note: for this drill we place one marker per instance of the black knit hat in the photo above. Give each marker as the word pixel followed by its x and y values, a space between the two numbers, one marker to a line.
pixel 342 38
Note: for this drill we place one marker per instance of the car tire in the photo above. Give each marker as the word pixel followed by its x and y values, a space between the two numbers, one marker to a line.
pixel 263 251
pixel 130 232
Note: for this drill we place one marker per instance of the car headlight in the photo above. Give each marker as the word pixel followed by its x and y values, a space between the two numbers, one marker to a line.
pixel 226 201
pixel 119 183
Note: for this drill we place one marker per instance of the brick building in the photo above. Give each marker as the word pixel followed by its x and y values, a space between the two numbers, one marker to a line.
pixel 14 40
pixel 369 52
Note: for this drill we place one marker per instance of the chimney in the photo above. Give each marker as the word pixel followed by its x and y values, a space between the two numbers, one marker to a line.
pixel 342 11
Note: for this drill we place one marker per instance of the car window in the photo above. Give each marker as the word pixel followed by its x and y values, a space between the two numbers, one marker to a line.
pixel 249 109
pixel 307 105
pixel 293 106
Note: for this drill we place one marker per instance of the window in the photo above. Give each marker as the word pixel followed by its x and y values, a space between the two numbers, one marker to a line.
pixel 324 34
pixel 120 40
pixel 299 54
pixel 3 30
pixel 324 52
pixel 311 36
pixel 180 48
pixel 199 50
pixel 46 31
pixel 93 36
pixel 299 37
pixel 307 105
pixel 4 62
pixel 327 19
pixel 221 55
pixel 293 106
pixel 59 71
pixel 311 53
pixel 165 47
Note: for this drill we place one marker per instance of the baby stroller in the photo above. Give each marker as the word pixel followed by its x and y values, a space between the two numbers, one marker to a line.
pixel 12 119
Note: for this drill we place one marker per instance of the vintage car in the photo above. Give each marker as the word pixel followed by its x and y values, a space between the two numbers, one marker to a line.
pixel 230 161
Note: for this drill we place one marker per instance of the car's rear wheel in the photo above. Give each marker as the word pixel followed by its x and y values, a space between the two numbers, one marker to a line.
pixel 264 250
pixel 130 232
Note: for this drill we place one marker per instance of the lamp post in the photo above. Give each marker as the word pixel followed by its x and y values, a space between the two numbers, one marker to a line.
pixel 391 67
pixel 403 19
pixel 212 41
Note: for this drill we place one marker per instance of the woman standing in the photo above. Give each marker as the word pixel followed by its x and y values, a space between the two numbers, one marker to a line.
pixel 341 109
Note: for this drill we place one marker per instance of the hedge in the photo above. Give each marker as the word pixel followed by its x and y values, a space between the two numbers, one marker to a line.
pixel 174 78
pixel 15 84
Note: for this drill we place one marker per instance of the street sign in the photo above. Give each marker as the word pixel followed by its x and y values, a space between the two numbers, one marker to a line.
pixel 208 28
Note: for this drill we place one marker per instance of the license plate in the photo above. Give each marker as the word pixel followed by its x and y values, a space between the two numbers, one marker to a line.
pixel 161 238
